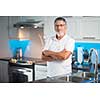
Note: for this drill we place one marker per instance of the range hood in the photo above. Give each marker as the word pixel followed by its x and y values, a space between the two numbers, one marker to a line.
pixel 28 23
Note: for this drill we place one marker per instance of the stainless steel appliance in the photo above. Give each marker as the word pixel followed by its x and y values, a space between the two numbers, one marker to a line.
pixel 20 72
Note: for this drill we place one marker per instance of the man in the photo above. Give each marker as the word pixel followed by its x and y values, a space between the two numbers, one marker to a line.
pixel 58 50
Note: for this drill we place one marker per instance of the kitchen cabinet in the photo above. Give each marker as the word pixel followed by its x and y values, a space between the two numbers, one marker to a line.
pixel 40 71
pixel 84 28
pixel 73 29
pixel 4 78
pixel 89 28
pixel 4 41
pixel 21 72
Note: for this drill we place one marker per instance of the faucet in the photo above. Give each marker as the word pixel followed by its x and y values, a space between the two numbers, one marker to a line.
pixel 96 64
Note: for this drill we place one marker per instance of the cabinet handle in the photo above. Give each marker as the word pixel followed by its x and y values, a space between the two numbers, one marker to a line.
pixel 88 37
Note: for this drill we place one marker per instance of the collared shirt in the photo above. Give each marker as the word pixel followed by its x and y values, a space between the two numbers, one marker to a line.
pixel 59 67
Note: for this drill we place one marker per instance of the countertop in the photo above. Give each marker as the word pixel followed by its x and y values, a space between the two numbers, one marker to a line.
pixel 34 60
pixel 49 80
pixel 73 78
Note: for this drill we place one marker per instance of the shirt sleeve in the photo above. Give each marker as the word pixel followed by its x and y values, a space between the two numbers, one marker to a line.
pixel 70 45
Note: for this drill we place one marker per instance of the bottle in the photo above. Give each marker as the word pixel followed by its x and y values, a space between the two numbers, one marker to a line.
pixel 17 54
pixel 20 53
pixel 80 55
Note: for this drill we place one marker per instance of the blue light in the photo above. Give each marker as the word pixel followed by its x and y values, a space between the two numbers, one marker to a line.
pixel 14 44
pixel 87 45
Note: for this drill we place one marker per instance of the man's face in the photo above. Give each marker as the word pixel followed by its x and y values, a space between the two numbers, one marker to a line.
pixel 60 27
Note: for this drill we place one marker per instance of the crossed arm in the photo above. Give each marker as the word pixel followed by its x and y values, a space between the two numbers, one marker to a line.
pixel 48 55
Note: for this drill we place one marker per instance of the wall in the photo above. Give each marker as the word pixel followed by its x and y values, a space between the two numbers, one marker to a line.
pixel 35 47
pixel 49 26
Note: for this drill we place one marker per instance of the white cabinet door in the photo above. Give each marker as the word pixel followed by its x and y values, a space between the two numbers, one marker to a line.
pixel 81 27
pixel 98 36
pixel 4 41
pixel 89 28
pixel 40 72
pixel 4 78
pixel 73 26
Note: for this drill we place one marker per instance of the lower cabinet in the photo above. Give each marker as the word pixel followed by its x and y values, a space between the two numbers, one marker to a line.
pixel 4 78
pixel 40 72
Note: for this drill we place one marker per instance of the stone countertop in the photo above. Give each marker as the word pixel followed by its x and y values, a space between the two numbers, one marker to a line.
pixel 5 59
pixel 49 80
pixel 34 60
pixel 79 77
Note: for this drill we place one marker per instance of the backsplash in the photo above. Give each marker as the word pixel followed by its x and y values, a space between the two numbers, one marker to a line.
pixel 14 44
pixel 87 46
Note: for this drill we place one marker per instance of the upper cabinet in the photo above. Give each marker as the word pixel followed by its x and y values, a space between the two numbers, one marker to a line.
pixel 89 27
pixel 84 28
pixel 4 42
pixel 73 27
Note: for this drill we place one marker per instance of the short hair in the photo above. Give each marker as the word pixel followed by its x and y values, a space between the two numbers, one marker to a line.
pixel 60 18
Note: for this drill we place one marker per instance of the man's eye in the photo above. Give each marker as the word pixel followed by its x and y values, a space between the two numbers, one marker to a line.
pixel 60 25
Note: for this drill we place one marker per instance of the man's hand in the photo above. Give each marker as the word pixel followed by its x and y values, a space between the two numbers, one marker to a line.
pixel 46 56
pixel 47 52
pixel 62 55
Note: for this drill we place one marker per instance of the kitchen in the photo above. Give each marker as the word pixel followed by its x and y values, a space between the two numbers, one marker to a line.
pixel 22 39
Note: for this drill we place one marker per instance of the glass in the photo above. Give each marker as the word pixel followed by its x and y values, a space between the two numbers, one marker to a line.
pixel 61 25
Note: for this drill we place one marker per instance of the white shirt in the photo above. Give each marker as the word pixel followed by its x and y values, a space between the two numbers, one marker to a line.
pixel 59 67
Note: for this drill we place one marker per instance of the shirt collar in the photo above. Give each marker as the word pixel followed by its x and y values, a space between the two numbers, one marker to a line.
pixel 65 36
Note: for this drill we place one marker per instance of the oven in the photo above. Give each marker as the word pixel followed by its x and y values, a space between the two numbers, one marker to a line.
pixel 21 73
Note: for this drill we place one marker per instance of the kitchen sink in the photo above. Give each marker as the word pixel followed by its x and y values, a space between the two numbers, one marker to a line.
pixel 79 77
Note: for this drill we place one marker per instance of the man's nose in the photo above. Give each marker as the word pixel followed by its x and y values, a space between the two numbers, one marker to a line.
pixel 59 27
